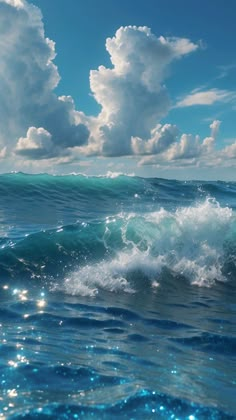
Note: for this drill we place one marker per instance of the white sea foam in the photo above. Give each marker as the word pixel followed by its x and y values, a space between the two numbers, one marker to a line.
pixel 189 242
pixel 111 174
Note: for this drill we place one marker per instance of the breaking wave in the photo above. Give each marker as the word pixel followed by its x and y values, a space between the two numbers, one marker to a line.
pixel 84 234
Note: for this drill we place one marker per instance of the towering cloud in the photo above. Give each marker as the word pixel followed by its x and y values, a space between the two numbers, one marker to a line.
pixel 131 94
pixel 28 78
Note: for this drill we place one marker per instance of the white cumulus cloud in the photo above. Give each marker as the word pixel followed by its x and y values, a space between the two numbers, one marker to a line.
pixel 186 148
pixel 28 78
pixel 161 139
pixel 132 93
pixel 229 151
pixel 36 144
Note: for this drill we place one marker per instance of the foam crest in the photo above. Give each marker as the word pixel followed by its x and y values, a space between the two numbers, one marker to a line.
pixel 104 275
pixel 189 242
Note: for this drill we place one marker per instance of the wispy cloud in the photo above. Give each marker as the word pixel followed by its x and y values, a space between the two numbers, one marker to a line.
pixel 225 70
pixel 206 97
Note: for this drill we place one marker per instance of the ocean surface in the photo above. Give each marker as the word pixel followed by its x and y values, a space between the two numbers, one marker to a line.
pixel 118 298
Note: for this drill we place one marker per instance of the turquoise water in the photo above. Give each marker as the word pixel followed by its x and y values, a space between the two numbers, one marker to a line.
pixel 117 298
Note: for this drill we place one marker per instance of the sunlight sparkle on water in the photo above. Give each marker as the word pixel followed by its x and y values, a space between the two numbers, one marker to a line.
pixel 12 393
pixel 41 303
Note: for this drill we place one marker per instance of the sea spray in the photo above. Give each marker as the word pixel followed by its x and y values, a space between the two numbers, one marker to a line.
pixel 190 242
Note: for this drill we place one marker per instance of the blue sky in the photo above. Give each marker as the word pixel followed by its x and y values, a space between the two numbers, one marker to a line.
pixel 81 29
pixel 169 112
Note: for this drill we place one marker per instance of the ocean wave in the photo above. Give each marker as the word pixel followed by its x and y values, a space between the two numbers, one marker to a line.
pixel 116 253
pixel 196 243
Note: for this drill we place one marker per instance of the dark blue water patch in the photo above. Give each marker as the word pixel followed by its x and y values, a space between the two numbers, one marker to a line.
pixel 210 343
pixel 167 324
pixel 145 404
pixel 177 305
pixel 82 378
pixel 201 304
pixel 123 313
pixel 8 315
pixel 5 349
pixel 54 321
pixel 90 323
pixel 43 319
pixel 119 312
pixel 221 321
pixel 114 330
pixel 137 338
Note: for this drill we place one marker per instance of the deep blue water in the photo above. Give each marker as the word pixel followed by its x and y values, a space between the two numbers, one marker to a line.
pixel 118 298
